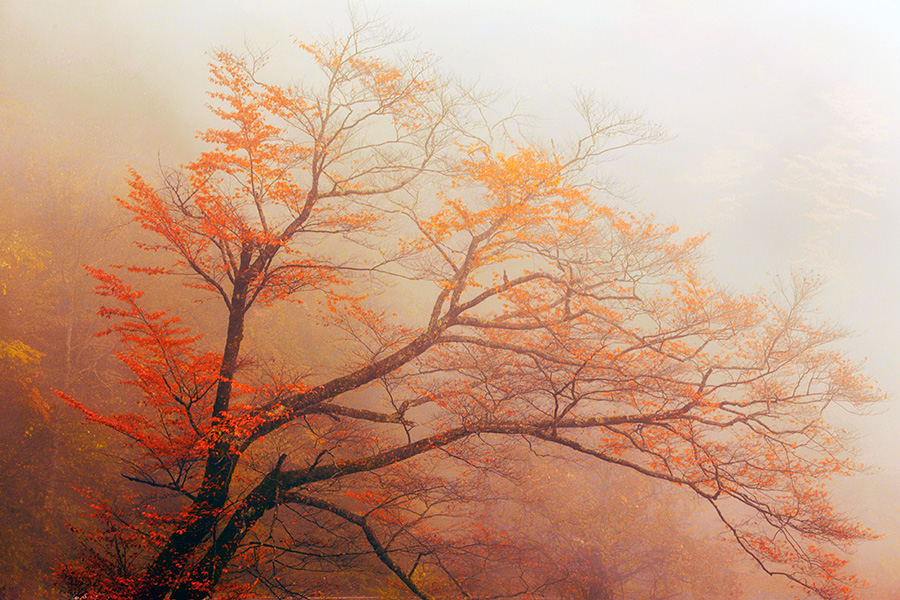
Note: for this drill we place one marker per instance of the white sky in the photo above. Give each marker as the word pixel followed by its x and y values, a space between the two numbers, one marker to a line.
pixel 785 119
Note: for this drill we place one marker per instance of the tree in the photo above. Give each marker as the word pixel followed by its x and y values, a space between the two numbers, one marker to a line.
pixel 48 229
pixel 487 299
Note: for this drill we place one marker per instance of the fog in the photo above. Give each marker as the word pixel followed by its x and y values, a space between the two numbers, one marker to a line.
pixel 783 121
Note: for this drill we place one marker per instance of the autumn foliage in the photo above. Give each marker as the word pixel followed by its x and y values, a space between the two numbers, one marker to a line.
pixel 491 302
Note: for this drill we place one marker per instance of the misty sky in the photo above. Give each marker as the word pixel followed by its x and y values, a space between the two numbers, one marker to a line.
pixel 783 116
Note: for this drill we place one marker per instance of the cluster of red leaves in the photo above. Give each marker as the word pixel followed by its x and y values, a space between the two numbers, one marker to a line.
pixel 175 382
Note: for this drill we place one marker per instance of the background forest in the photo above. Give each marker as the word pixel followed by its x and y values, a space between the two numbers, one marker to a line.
pixel 784 170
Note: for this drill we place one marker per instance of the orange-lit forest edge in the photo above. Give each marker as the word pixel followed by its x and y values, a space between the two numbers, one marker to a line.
pixel 495 373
